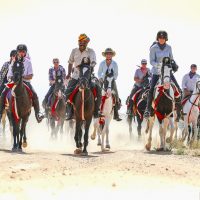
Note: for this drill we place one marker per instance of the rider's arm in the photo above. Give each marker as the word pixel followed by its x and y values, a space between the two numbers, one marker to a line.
pixel 170 52
pixel 136 77
pixel 70 65
pixel 152 57
pixel 28 77
pixel 10 74
pixel 115 71
pixel 184 81
pixel 93 60
pixel 100 71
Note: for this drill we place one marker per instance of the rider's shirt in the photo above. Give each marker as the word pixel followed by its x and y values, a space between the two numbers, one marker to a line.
pixel 3 73
pixel 28 70
pixel 103 69
pixel 139 74
pixel 156 56
pixel 189 82
pixel 76 59
pixel 52 73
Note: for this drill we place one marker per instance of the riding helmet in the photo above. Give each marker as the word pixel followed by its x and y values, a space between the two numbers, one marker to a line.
pixel 162 34
pixel 13 53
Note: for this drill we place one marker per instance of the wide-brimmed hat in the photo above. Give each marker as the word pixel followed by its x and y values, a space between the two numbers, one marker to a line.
pixel 108 50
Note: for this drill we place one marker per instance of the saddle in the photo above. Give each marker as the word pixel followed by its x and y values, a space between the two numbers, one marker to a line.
pixel 185 99
pixel 75 91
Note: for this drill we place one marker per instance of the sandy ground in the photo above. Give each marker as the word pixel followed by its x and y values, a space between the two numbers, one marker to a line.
pixel 49 170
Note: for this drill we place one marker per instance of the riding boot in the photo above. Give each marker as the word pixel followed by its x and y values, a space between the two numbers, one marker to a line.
pixel 70 111
pixel 148 108
pixel 97 103
pixel 38 115
pixel 179 108
pixel 130 107
pixel 116 113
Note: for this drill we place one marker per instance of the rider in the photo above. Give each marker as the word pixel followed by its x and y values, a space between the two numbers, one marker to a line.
pixel 189 81
pixel 52 77
pixel 110 64
pixel 158 51
pixel 75 60
pixel 4 71
pixel 27 76
pixel 138 78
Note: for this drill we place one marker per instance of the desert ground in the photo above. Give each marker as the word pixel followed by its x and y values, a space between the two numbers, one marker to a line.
pixel 49 169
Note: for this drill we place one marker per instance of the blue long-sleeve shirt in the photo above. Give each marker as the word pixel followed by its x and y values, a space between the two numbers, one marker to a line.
pixel 156 55
pixel 103 68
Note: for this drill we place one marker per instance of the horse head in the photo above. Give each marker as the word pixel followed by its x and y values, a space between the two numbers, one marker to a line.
pixel 59 84
pixel 108 82
pixel 166 72
pixel 85 73
pixel 17 70
pixel 197 87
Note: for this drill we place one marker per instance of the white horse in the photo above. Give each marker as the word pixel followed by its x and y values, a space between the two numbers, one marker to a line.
pixel 101 125
pixel 164 107
pixel 191 112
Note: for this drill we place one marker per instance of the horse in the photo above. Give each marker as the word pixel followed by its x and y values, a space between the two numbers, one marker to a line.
pixel 57 108
pixel 83 103
pixel 140 99
pixel 191 114
pixel 101 126
pixel 164 96
pixel 20 104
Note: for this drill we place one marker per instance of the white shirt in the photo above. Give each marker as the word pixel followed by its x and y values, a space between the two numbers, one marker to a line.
pixel 28 70
pixel 189 83
pixel 76 59
pixel 103 68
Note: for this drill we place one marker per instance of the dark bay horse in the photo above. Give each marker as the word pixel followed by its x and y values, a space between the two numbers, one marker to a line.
pixel 57 109
pixel 20 104
pixel 83 107
pixel 140 99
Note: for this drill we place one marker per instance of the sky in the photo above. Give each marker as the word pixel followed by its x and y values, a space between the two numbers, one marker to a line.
pixel 51 28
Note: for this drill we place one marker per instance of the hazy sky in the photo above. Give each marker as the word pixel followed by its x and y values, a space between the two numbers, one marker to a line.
pixel 51 28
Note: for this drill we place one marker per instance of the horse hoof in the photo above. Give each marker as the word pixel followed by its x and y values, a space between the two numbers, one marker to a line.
pixel 108 146
pixel 85 153
pixel 92 137
pixel 24 144
pixel 148 147
pixel 19 150
pixel 99 144
pixel 168 140
pixel 14 149
pixel 77 151
pixel 160 149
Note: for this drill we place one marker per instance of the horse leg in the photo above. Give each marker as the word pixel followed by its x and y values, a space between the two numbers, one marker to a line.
pixel 129 120
pixel 107 133
pixel 161 136
pixel 165 127
pixel 195 130
pixel 150 124
pixel 4 122
pixel 87 126
pixel 99 131
pixel 77 138
pixel 52 124
pixel 15 135
pixel 139 127
pixel 23 133
pixel 172 129
pixel 95 124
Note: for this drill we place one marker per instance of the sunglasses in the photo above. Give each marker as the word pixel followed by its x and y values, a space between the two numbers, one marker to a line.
pixel 56 62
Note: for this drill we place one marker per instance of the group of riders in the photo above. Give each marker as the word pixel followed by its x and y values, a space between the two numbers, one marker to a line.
pixel 158 51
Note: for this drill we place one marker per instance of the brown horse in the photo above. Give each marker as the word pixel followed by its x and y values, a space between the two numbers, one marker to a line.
pixel 20 104
pixel 83 107
pixel 57 108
